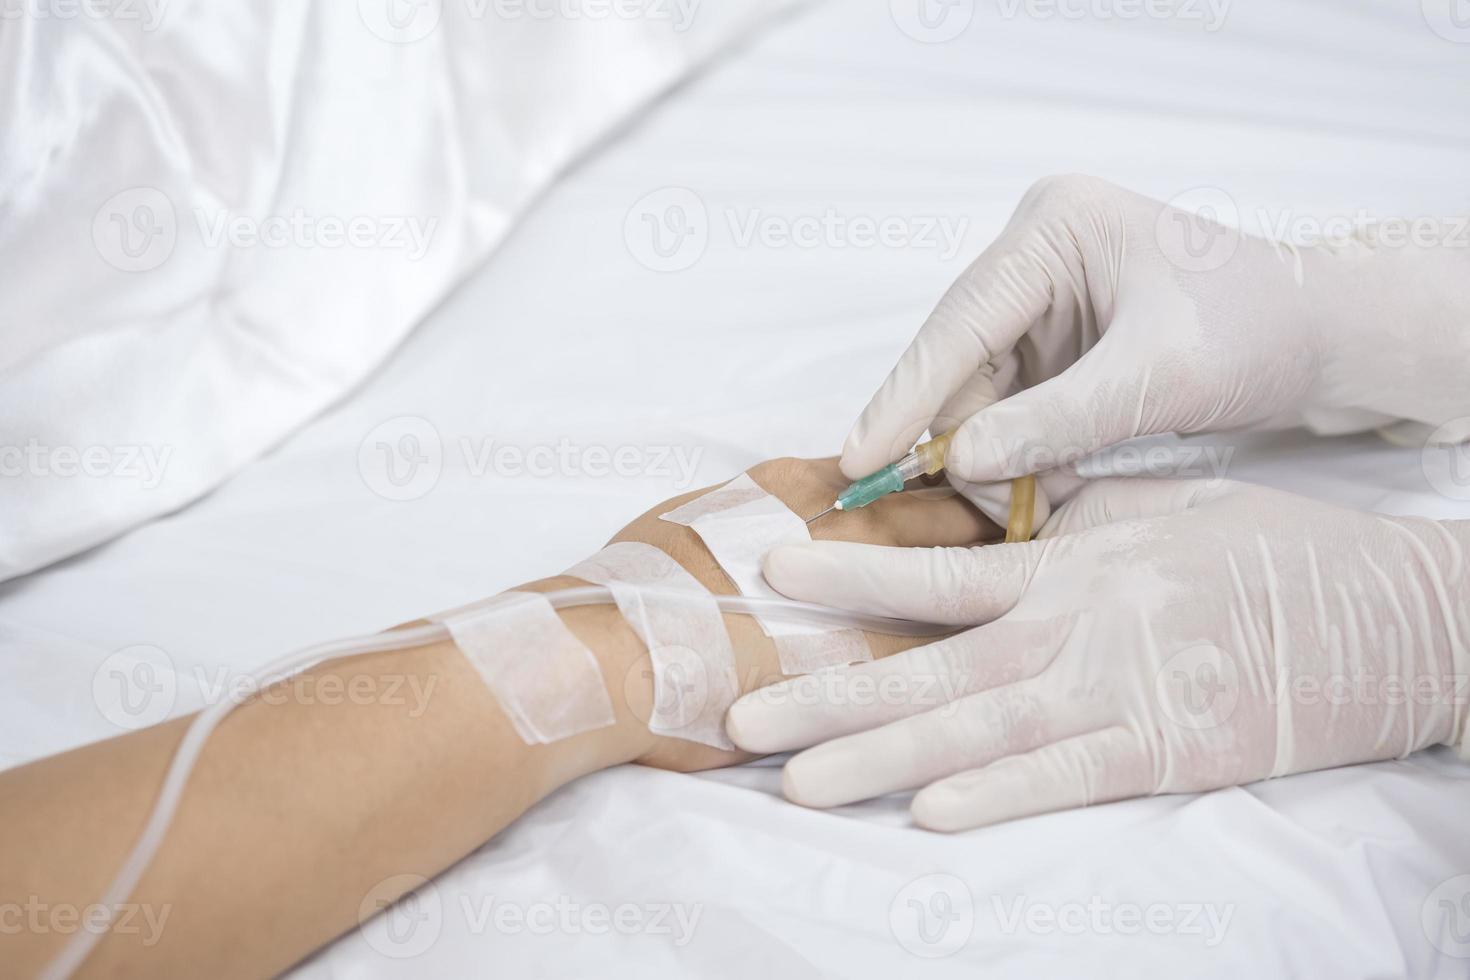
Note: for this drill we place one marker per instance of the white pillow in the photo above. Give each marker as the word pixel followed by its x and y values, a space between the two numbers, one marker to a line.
pixel 220 217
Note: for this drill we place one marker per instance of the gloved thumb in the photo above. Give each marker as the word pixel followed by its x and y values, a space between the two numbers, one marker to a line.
pixel 953 586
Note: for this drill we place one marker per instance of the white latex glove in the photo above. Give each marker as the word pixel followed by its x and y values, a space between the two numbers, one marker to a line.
pixel 1099 315
pixel 1162 636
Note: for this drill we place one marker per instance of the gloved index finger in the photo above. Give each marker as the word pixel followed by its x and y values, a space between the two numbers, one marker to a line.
pixel 981 316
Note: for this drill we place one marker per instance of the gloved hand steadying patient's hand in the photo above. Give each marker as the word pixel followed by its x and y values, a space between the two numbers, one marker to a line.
pixel 1161 636
pixel 1099 315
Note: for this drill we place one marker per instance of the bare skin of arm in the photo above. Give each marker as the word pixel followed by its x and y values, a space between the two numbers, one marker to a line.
pixel 300 806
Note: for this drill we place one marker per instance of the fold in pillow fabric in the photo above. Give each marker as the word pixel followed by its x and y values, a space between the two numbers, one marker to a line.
pixel 219 218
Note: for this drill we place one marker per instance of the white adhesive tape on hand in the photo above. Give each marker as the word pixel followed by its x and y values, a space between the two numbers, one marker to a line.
pixel 693 662
pixel 545 679
pixel 739 523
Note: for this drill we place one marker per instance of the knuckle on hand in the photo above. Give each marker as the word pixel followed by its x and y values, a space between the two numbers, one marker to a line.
pixel 1066 194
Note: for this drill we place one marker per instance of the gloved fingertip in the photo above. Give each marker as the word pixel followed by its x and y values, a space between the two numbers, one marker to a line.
pixel 935 808
pixel 738 727
pixel 803 784
pixel 750 726
pixel 992 499
pixel 795 569
pixel 824 775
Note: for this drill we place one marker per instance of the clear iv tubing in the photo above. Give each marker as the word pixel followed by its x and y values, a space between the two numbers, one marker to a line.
pixel 81 944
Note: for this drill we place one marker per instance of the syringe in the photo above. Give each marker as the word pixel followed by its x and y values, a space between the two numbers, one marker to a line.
pixel 927 459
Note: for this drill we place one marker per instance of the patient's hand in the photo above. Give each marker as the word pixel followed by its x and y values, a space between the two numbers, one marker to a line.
pixel 925 519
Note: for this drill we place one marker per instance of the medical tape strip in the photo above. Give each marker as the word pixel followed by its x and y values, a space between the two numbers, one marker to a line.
pixel 739 523
pixel 693 661
pixel 545 679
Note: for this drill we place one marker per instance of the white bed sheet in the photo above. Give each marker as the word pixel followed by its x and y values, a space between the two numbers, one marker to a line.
pixel 757 351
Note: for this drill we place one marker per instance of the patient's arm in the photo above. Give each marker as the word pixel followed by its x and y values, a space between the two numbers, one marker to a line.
pixel 300 807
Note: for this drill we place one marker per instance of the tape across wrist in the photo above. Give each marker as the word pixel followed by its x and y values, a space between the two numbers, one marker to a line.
pixel 739 523
pixel 689 650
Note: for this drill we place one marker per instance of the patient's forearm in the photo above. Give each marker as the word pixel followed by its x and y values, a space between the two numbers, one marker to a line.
pixel 301 806
pixel 298 808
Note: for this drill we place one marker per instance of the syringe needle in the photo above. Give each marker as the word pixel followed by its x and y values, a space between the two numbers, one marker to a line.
pixel 824 513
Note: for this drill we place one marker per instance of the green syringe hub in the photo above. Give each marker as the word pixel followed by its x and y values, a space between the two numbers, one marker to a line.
pixel 870 488
pixel 926 460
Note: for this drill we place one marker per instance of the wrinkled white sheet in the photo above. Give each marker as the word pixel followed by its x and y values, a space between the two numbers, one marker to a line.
pixel 220 217
pixel 761 350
